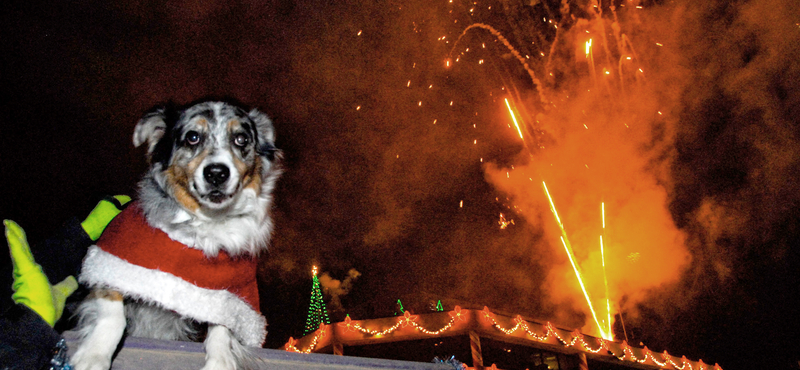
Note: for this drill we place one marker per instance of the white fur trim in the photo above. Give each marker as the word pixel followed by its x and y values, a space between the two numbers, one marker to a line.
pixel 221 307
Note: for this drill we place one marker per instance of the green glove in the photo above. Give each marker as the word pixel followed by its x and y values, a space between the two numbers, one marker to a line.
pixel 31 287
pixel 102 214
pixel 61 291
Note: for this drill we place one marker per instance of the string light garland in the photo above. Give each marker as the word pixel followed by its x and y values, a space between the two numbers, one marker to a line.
pixel 576 339
pixel 319 334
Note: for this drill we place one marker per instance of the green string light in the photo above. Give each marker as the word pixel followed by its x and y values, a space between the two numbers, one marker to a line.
pixel 317 314
pixel 400 304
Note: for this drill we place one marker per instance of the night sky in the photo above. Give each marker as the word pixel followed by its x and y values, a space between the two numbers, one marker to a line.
pixel 397 167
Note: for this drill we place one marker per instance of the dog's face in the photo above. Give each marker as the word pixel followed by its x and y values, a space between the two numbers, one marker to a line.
pixel 207 154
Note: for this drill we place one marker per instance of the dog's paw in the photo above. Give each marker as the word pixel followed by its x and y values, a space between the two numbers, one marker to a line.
pixel 85 360
pixel 219 364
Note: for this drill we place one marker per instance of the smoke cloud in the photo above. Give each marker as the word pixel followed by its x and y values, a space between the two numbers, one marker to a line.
pixel 335 289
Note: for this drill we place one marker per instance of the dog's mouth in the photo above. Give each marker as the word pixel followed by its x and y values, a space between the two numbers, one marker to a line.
pixel 217 196
pixel 213 198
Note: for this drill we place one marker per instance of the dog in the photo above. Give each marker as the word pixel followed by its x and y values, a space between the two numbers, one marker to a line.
pixel 182 257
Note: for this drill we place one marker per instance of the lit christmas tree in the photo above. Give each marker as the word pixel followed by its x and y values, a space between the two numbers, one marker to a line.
pixel 317 314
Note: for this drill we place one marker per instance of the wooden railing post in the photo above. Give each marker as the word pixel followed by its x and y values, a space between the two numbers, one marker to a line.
pixel 475 347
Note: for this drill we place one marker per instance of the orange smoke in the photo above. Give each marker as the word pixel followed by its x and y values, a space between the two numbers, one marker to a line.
pixel 604 139
pixel 583 169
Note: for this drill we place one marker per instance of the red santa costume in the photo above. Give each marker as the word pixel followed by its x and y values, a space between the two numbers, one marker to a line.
pixel 143 262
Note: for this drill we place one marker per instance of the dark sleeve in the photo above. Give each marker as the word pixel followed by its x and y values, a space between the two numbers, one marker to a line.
pixel 26 341
pixel 62 254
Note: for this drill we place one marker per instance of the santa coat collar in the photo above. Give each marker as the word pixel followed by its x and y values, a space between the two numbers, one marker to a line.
pixel 144 263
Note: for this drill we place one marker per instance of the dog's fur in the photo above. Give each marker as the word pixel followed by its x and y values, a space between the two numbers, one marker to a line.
pixel 213 167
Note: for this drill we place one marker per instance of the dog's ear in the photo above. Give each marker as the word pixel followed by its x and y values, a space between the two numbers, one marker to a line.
pixel 266 135
pixel 150 129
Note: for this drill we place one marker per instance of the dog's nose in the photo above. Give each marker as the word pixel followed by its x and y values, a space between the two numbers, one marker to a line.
pixel 216 173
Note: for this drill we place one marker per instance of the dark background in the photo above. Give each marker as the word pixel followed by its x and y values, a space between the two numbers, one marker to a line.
pixel 372 184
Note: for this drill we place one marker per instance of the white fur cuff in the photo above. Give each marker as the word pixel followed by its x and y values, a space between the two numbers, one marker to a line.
pixel 105 270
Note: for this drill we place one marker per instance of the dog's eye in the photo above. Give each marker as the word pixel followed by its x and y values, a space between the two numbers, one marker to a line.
pixel 192 138
pixel 241 140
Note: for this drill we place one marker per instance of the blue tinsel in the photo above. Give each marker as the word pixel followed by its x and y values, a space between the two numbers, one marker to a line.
pixel 458 365
pixel 60 360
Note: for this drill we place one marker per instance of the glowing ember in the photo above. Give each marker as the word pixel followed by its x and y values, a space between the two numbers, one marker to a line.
pixel 503 222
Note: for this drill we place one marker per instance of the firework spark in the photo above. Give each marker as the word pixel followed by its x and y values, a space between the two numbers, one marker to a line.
pixel 504 222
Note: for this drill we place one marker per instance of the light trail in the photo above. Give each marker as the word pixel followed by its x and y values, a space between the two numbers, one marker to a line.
pixel 510 48
pixel 590 57
pixel 605 277
pixel 603 212
pixel 583 287
pixel 553 206
pixel 514 118
pixel 571 255
pixel 605 280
